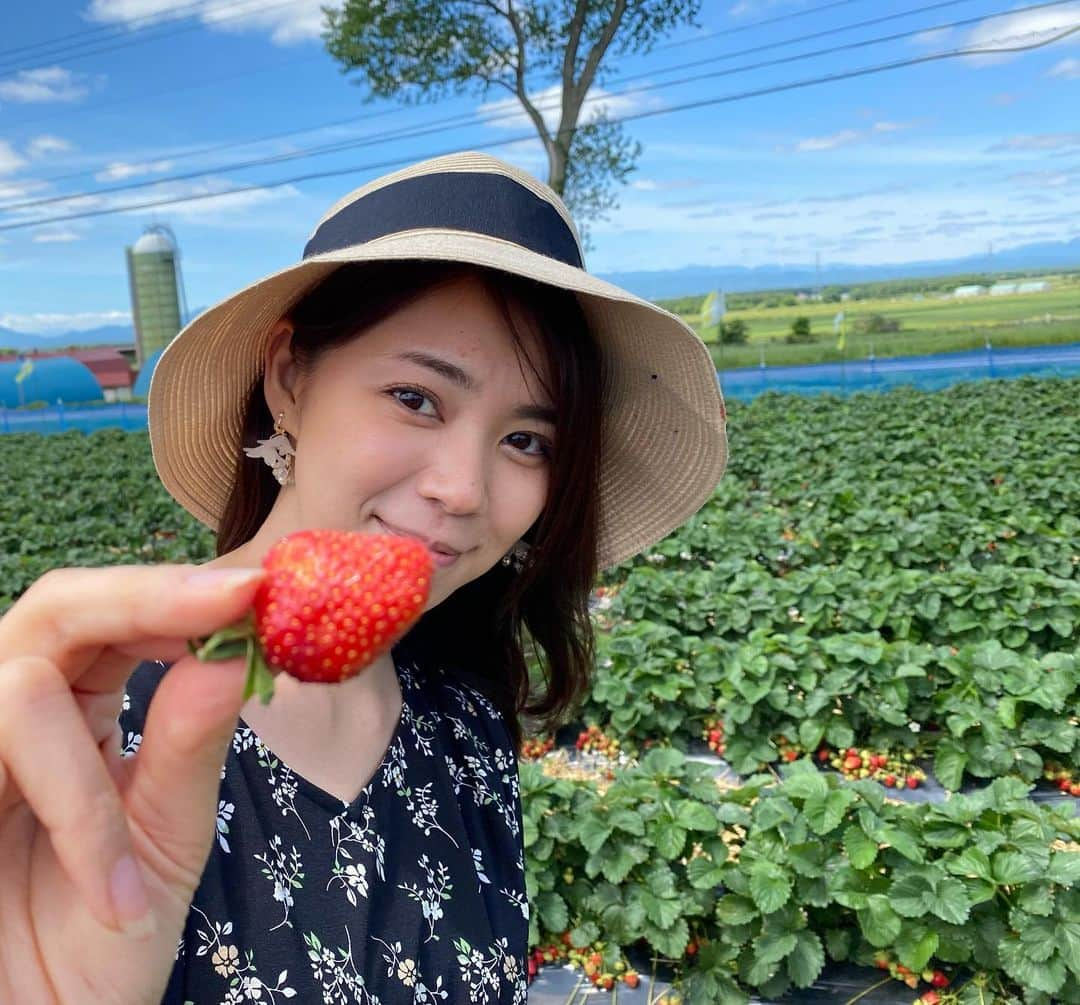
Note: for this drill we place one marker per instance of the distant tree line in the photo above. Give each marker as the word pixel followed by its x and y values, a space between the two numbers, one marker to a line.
pixel 832 293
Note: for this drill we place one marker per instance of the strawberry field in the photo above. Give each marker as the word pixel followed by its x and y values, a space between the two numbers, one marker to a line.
pixel 833 727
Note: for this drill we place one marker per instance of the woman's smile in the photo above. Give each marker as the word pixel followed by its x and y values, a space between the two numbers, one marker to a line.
pixel 441 555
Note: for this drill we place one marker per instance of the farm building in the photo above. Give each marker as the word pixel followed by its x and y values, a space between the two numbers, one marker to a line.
pixel 51 378
pixel 1036 286
pixel 1002 289
pixel 969 291
pixel 142 384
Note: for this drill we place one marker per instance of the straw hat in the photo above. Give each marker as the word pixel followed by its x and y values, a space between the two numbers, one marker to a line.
pixel 664 424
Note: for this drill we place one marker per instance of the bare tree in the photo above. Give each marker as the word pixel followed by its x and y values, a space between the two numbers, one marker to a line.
pixel 417 50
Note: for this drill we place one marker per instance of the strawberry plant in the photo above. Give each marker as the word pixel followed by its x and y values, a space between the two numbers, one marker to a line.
pixel 771 880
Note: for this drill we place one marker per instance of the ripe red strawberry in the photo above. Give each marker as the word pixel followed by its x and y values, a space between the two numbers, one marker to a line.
pixel 930 998
pixel 332 602
pixel 912 782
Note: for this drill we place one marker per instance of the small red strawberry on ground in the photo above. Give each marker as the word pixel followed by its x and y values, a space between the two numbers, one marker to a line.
pixel 332 602
pixel 632 979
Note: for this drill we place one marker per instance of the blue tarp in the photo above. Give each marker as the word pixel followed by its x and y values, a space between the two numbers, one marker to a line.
pixel 928 373
pixel 51 378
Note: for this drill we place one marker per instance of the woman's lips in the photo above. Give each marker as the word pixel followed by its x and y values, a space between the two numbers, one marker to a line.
pixel 440 558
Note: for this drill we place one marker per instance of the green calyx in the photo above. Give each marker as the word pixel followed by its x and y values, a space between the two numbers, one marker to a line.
pixel 237 641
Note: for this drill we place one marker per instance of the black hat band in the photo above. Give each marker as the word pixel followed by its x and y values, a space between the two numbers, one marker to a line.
pixel 480 202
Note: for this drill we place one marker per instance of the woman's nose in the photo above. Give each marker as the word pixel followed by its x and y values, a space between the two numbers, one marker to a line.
pixel 456 475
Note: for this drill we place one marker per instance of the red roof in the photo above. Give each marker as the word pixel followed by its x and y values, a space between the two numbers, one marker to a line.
pixel 106 363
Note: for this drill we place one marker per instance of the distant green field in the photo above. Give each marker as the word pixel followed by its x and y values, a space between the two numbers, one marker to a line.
pixel 928 325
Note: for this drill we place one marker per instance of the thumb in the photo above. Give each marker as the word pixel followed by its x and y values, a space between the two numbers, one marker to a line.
pixel 172 798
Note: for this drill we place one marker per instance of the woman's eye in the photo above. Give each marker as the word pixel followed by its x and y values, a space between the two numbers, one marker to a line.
pixel 542 447
pixel 413 399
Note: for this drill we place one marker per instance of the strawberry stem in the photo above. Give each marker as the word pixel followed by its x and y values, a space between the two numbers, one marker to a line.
pixel 237 641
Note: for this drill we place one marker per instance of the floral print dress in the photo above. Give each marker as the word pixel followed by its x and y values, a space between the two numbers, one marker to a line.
pixel 412 893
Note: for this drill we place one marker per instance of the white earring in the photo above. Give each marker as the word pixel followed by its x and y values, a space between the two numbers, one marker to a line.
pixel 277 451
pixel 518 555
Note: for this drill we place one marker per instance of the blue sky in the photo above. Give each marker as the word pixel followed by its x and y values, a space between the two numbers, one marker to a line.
pixel 929 161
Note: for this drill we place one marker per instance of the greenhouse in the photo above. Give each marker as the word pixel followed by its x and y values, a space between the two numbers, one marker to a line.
pixel 50 379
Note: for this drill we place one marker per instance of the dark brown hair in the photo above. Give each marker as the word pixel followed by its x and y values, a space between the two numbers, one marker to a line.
pixel 489 630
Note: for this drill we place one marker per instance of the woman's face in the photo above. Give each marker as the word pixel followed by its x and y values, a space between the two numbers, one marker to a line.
pixel 428 424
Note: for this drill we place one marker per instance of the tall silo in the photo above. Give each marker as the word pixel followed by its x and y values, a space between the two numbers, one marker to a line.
pixel 157 290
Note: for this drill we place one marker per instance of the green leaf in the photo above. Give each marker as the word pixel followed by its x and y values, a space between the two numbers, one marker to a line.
pixel 585 934
pixel 825 814
pixel 772 947
pixel 625 820
pixel 811 732
pixel 669 838
pixel 950 902
pixel 1068 943
pixel 1045 976
pixel 1064 868
pixel 770 886
pixel 880 924
pixel 805 785
pixel 553 913
pixel 1012 867
pixel 971 862
pixel 911 895
pixel 838 942
pixel 861 850
pixel 915 945
pixel 696 817
pixel 703 874
pixel 949 764
pixel 735 910
pixel 806 960
pixel 594 832
pixel 661 911
pixel 903 842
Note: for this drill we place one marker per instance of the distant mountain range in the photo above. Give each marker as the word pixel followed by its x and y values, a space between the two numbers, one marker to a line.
pixel 695 279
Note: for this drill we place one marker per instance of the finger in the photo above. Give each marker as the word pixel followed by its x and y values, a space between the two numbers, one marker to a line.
pixel 71 616
pixel 172 792
pixel 51 756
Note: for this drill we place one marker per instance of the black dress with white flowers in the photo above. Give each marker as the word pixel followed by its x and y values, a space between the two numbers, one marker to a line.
pixel 413 893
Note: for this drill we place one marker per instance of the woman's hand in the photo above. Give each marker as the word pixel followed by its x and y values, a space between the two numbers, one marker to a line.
pixel 100 855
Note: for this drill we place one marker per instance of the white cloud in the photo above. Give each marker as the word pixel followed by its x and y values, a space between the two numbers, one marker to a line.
pixel 55 324
pixel 1029 27
pixel 42 146
pixel 1040 141
pixel 663 185
pixel 121 170
pixel 932 38
pixel 846 137
pixel 287 21
pixel 507 113
pixel 9 159
pixel 745 7
pixel 1067 69
pixel 57 235
pixel 50 83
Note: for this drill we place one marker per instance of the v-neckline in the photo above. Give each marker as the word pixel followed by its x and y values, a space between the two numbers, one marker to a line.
pixel 316 793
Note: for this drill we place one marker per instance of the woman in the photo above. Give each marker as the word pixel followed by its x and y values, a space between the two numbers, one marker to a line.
pixel 439 365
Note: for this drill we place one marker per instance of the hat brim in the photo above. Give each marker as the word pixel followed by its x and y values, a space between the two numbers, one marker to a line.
pixel 664 424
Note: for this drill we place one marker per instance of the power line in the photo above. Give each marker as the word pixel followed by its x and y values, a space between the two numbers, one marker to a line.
pixel 259 8
pixel 151 19
pixel 653 113
pixel 470 118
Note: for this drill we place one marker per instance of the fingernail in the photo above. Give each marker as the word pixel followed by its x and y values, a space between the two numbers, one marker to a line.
pixel 130 900
pixel 224 579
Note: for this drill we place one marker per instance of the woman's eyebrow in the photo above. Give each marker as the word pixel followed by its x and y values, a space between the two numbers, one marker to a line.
pixel 456 375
